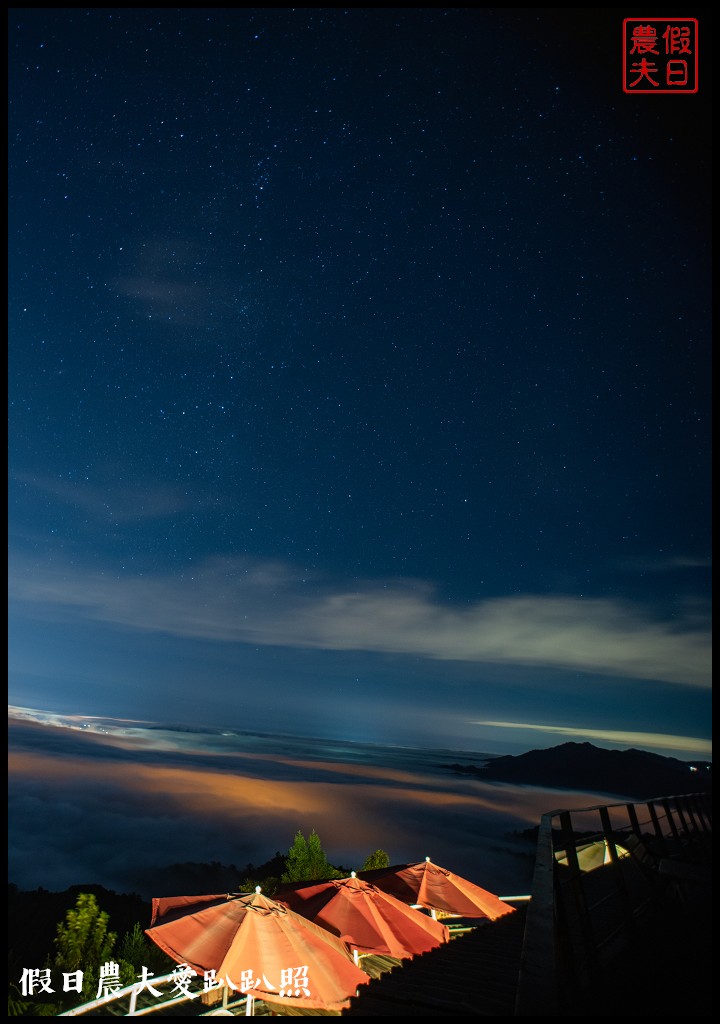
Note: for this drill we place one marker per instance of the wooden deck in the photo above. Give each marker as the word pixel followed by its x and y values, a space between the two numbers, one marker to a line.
pixel 631 936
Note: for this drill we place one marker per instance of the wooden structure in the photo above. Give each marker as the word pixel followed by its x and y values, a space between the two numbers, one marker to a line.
pixel 599 934
pixel 618 921
pixel 584 924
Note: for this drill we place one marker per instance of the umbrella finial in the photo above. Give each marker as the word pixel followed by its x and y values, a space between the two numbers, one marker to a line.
pixel 427 860
pixel 258 889
pixel 353 875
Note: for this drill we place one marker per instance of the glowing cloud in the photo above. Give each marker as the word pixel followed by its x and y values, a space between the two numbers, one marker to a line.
pixel 644 740
pixel 242 601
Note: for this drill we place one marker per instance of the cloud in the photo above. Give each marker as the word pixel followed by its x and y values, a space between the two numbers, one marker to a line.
pixel 76 812
pixel 661 565
pixel 117 501
pixel 645 740
pixel 168 280
pixel 238 600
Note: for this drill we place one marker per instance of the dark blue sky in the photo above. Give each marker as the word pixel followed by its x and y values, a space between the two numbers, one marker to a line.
pixel 359 376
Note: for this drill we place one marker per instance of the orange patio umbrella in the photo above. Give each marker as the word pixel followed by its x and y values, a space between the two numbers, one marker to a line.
pixel 436 888
pixel 258 946
pixel 366 918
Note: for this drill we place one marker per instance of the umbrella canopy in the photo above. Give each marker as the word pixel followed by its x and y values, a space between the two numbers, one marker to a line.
pixel 368 919
pixel 260 946
pixel 436 888
pixel 592 855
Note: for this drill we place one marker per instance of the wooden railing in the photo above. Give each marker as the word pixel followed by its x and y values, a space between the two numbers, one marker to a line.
pixel 599 875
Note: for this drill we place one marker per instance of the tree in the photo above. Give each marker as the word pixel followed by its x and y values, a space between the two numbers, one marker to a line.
pixel 268 886
pixel 318 866
pixel 18 1006
pixel 84 943
pixel 137 952
pixel 379 859
pixel 296 861
pixel 306 860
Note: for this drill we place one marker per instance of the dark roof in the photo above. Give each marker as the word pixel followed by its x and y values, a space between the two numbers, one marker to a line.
pixel 475 974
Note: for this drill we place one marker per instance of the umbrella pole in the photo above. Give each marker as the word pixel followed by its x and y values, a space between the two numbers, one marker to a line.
pixel 249 1006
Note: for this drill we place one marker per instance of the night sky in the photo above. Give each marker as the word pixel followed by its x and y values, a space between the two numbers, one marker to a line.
pixel 359 377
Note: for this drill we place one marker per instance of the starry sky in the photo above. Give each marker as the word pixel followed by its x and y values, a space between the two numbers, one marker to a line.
pixel 359 377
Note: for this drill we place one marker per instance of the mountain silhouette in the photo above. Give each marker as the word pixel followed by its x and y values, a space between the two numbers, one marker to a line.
pixel 582 766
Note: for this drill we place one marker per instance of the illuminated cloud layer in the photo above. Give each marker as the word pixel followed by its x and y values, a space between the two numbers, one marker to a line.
pixel 243 601
pixel 79 803
pixel 643 740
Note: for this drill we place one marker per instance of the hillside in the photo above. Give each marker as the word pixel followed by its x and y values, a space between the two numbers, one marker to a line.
pixel 582 766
